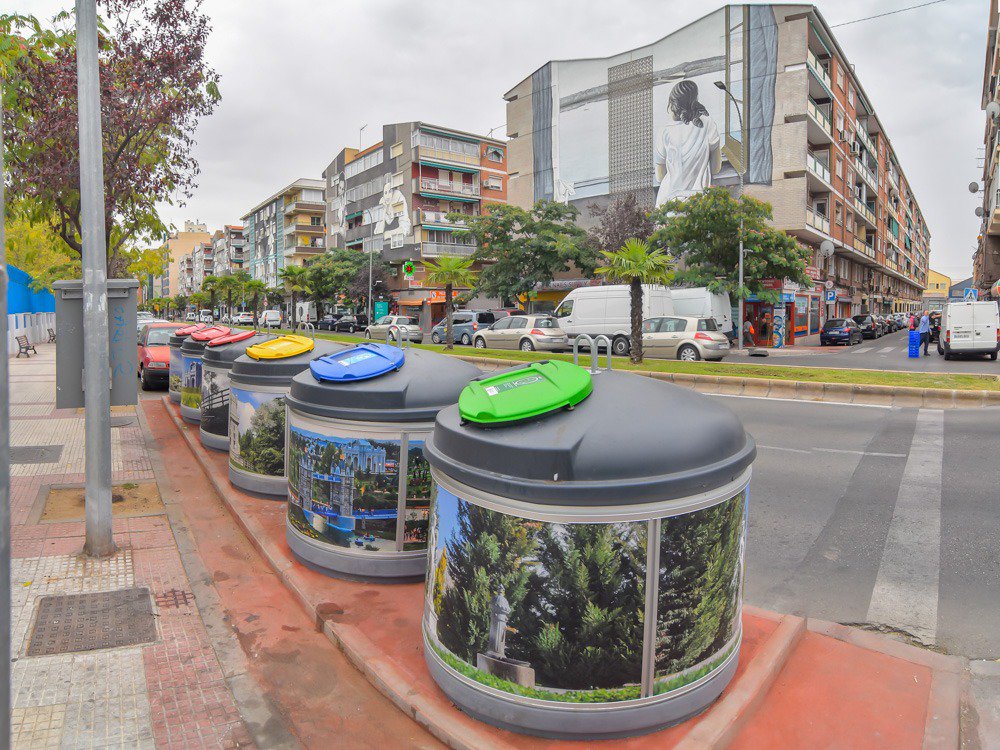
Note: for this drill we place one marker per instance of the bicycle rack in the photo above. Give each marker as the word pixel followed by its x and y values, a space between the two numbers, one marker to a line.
pixel 594 345
pixel 402 336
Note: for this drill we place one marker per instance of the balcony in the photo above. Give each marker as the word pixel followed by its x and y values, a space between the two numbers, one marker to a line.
pixel 434 185
pixel 866 174
pixel 864 211
pixel 861 130
pixel 820 127
pixel 435 217
pixel 437 249
pixel 817 221
pixel 993 218
pixel 311 207
pixel 427 153
pixel 818 70
pixel 311 249
pixel 861 247
pixel 304 228
pixel 820 170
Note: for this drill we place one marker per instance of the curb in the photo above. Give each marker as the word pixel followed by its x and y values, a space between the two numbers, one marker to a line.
pixel 717 727
pixel 801 390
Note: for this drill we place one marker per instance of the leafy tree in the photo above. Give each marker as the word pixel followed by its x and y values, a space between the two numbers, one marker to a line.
pixel 155 86
pixel 450 271
pixel 143 263
pixel 330 276
pixel 699 584
pixel 703 232
pixel 490 550
pixel 180 302
pixel 440 571
pixel 296 280
pixel 636 264
pixel 592 599
pixel 37 250
pixel 210 284
pixel 200 300
pixel 255 288
pixel 357 290
pixel 275 297
pixel 231 285
pixel 527 248
pixel 262 446
pixel 622 219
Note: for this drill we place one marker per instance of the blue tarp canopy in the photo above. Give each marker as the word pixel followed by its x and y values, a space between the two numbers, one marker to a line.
pixel 21 298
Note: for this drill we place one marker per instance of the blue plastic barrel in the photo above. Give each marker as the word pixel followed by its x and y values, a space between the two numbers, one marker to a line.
pixel 914 348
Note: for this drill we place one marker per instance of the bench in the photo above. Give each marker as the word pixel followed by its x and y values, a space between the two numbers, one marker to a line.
pixel 24 346
pixel 52 336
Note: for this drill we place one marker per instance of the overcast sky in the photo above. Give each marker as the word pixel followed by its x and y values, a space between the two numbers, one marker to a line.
pixel 300 78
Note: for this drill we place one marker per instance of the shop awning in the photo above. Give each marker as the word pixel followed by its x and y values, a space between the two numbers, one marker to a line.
pixel 410 302
pixel 442 197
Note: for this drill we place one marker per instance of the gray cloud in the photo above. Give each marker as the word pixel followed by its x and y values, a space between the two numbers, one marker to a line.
pixel 300 77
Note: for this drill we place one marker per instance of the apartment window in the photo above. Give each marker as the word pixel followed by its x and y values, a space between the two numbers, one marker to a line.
pixel 494 153
pixel 316 221
pixel 840 75
pixel 397 180
pixel 840 122
pixel 396 150
pixel 850 94
pixel 838 166
pixel 838 213
pixel 396 241
pixel 493 182
pixel 443 143
pixel 368 161
pixel 850 222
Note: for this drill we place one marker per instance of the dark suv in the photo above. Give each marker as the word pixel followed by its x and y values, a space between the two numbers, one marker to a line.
pixel 868 325
pixel 465 323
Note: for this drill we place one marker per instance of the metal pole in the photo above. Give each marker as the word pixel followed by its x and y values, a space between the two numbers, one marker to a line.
pixel 4 472
pixel 371 260
pixel 96 372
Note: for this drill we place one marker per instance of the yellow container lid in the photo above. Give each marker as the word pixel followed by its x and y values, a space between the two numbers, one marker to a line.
pixel 281 347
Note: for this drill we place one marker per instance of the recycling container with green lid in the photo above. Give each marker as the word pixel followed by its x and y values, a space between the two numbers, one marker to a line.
pixel 258 383
pixel 585 560
pixel 358 484
pixel 175 342
pixel 192 349
pixel 217 361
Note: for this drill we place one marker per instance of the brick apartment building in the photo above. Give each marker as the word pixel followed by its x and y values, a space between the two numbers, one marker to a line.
pixel 986 261
pixel 286 228
pixel 769 97
pixel 179 245
pixel 394 196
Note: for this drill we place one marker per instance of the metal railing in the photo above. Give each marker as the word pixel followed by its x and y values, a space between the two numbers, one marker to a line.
pixel 818 69
pixel 820 116
pixel 402 336
pixel 436 217
pixel 594 347
pixel 441 186
pixel 817 221
pixel 817 167
pixel 437 249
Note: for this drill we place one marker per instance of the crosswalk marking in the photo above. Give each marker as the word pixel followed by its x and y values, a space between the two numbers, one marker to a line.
pixel 905 595
pixel 863 349
pixel 886 349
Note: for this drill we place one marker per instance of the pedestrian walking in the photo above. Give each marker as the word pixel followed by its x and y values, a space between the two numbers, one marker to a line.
pixel 913 322
pixel 925 331
pixel 748 333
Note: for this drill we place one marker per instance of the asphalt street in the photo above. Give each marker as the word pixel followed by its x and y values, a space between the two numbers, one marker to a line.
pixel 878 516
pixel 886 353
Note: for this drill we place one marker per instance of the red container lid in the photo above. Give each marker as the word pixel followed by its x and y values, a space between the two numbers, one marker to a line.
pixel 189 329
pixel 214 332
pixel 232 338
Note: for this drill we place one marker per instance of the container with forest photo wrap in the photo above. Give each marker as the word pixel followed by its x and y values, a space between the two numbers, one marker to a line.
pixel 257 431
pixel 571 598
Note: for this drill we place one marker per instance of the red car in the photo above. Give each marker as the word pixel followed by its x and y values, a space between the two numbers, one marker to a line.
pixel 154 353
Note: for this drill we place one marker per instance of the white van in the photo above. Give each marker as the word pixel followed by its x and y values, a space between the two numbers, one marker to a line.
pixel 698 302
pixel 305 312
pixel 607 310
pixel 970 328
pixel 269 319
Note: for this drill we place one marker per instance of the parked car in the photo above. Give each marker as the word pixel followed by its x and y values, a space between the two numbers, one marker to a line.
pixel 525 332
pixel 465 323
pixel 327 322
pixel 379 330
pixel 206 316
pixel 351 324
pixel 685 338
pixel 970 328
pixel 868 326
pixel 243 318
pixel 840 331
pixel 191 317
pixel 143 322
pixel 153 341
pixel 269 319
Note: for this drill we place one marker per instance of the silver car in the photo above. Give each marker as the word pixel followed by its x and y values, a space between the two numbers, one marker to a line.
pixel 379 330
pixel 525 332
pixel 684 338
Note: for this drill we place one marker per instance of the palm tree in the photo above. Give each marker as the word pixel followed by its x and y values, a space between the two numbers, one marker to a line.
pixel 180 302
pixel 296 280
pixel 449 271
pixel 211 285
pixel 238 281
pixel 636 264
pixel 255 287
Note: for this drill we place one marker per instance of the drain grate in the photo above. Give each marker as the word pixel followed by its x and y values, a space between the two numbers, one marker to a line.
pixel 35 454
pixel 174 599
pixel 85 622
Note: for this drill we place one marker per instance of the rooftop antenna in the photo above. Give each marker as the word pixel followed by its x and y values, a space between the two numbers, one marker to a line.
pixel 361 133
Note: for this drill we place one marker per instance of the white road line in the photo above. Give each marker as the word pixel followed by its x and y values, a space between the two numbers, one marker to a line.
pixel 800 401
pixel 886 349
pixel 864 349
pixel 861 453
pixel 905 594
pixel 781 448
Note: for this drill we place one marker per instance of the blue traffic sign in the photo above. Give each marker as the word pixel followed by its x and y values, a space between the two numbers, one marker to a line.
pixel 831 295
pixel 971 294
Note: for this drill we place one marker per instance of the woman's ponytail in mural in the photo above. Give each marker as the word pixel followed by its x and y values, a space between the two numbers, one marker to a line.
pixel 683 102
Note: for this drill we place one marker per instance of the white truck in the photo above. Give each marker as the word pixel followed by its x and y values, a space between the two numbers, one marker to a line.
pixel 970 328
pixel 607 310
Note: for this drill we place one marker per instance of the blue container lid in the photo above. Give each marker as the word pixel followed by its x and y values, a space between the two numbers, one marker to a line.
pixel 361 362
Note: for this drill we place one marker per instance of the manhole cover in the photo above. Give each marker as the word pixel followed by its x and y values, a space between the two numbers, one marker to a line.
pixel 35 454
pixel 174 599
pixel 85 622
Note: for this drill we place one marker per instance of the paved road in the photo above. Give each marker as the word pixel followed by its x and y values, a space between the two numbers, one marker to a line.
pixel 886 353
pixel 876 515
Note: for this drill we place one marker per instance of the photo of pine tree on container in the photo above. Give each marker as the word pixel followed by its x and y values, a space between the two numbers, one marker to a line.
pixel 418 492
pixel 700 581
pixel 343 490
pixel 257 432
pixel 544 610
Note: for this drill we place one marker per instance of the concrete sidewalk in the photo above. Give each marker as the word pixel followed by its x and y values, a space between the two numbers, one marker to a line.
pixel 800 683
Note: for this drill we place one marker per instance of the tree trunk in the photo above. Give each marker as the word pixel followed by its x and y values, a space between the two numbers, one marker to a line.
pixel 449 332
pixel 256 302
pixel 635 292
pixel 229 304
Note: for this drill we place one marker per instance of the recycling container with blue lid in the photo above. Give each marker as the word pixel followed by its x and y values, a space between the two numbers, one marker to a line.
pixel 177 338
pixel 216 363
pixel 586 551
pixel 192 350
pixel 258 383
pixel 358 484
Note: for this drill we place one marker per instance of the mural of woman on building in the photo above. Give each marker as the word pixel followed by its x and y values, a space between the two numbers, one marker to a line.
pixel 688 150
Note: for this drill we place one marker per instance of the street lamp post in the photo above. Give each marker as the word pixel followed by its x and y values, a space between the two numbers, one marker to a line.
pixel 739 307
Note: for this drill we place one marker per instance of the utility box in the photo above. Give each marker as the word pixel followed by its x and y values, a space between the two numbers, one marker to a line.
pixel 122 357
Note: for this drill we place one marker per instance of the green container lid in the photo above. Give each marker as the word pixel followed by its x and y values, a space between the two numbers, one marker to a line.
pixel 524 393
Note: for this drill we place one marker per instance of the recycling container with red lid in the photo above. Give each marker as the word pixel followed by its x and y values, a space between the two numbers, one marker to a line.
pixel 175 342
pixel 192 349
pixel 216 362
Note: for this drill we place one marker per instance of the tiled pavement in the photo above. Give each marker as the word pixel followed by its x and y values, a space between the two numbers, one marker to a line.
pixel 167 694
